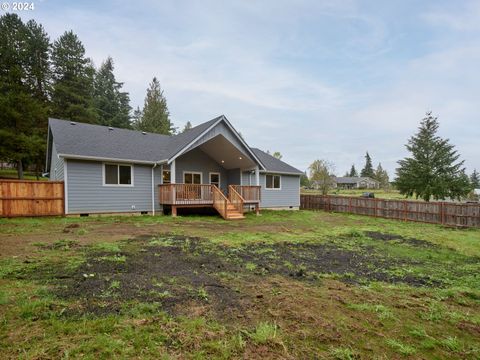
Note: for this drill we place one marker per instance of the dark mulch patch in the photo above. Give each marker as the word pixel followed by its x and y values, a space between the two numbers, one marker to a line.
pixel 176 270
pixel 306 261
pixel 400 239
pixel 170 275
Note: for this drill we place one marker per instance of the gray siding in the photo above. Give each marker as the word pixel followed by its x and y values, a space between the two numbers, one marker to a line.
pixel 56 165
pixel 86 193
pixel 233 177
pixel 197 161
pixel 288 195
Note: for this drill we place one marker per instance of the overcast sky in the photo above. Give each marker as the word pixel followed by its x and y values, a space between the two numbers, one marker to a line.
pixel 311 79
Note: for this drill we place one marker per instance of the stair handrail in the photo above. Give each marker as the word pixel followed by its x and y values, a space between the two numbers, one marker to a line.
pixel 220 201
pixel 236 199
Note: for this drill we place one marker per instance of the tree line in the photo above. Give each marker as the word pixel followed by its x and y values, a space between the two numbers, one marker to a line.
pixel 432 171
pixel 40 79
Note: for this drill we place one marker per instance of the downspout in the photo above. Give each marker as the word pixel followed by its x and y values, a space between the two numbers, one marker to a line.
pixel 153 189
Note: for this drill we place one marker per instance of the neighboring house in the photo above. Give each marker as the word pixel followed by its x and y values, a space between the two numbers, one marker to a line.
pixel 356 183
pixel 110 170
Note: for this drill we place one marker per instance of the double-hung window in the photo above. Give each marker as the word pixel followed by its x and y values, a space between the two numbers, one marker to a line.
pixel 116 174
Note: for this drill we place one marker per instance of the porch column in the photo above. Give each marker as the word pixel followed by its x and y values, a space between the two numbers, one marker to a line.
pixel 174 188
pixel 172 173
pixel 257 175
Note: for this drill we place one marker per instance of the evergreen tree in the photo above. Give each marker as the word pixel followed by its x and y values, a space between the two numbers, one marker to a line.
pixel 381 175
pixel 188 126
pixel 367 170
pixel 353 172
pixel 137 118
pixel 73 77
pixel 433 169
pixel 475 179
pixel 155 115
pixel 23 101
pixel 111 104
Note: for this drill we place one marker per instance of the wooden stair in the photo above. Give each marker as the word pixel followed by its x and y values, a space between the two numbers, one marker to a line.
pixel 232 213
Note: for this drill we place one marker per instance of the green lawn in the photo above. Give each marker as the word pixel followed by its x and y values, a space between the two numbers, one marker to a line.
pixel 12 174
pixel 281 285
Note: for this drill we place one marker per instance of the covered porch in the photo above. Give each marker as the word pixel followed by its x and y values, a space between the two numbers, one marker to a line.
pixel 208 173
pixel 230 205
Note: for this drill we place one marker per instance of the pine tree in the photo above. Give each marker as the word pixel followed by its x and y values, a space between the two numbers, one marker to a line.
pixel 155 115
pixel 367 170
pixel 433 169
pixel 475 179
pixel 353 172
pixel 23 101
pixel 188 126
pixel 111 104
pixel 73 77
pixel 381 175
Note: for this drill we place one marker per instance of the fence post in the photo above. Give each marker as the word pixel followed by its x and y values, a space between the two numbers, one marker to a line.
pixel 442 215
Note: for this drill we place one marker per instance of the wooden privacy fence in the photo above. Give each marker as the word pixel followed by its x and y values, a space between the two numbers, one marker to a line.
pixel 31 198
pixel 445 213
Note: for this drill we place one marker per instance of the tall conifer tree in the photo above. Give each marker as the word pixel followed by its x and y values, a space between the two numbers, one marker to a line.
pixel 433 169
pixel 367 170
pixel 111 103
pixel 155 116
pixel 73 75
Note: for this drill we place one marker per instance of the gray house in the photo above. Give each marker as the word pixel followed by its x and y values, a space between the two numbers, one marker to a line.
pixel 356 182
pixel 111 170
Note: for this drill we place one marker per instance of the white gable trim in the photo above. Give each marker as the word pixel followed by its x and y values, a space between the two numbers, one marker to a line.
pixel 224 119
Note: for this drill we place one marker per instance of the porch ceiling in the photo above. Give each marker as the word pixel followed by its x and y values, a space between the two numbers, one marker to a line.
pixel 226 154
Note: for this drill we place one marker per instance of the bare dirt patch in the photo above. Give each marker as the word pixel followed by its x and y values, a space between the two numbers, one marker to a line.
pixel 399 239
pixel 180 272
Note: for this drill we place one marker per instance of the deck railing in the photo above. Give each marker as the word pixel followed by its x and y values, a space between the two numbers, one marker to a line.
pixel 185 194
pixel 235 199
pixel 250 193
pixel 199 194
pixel 220 202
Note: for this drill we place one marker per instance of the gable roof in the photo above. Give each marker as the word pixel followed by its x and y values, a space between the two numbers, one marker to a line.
pixel 352 179
pixel 275 165
pixel 97 142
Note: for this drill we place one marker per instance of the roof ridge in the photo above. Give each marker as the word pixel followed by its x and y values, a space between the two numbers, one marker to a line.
pixel 108 126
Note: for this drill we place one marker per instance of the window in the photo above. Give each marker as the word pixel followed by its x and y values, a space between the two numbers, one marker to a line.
pixel 192 178
pixel 117 174
pixel 215 179
pixel 166 177
pixel 272 181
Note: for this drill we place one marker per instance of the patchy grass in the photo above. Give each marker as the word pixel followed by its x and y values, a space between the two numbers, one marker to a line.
pixel 281 285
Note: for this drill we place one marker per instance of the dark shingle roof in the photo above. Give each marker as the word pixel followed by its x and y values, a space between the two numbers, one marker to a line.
pixel 273 164
pixel 89 140
pixel 103 142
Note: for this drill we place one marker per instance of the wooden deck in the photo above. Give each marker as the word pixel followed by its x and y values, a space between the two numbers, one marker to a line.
pixel 196 195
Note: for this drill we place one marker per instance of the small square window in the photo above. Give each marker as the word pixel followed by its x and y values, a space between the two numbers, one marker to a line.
pixel 272 181
pixel 118 174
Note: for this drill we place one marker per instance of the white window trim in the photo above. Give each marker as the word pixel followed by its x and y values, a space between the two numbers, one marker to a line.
pixel 219 178
pixel 193 172
pixel 273 189
pixel 118 174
